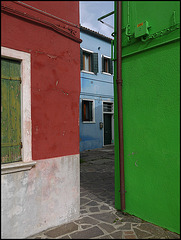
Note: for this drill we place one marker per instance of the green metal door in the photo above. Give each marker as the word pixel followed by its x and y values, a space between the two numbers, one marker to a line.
pixel 10 111
pixel 107 129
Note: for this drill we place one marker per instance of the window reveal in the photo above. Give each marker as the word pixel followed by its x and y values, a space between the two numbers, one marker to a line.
pixel 106 65
pixel 87 59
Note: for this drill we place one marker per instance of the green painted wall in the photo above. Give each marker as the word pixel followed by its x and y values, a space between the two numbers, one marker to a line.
pixel 151 113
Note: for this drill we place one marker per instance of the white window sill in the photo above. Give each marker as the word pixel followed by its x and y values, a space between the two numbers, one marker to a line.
pixel 16 167
pixel 88 122
pixel 107 73
pixel 84 71
pixel 108 112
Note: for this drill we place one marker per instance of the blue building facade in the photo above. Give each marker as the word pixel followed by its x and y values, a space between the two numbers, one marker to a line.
pixel 97 92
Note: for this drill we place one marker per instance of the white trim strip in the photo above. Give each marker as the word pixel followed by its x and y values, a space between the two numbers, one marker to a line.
pixel 16 167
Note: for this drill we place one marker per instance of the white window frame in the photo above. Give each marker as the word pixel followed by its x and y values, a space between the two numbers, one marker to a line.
pixel 102 55
pixel 26 125
pixel 108 102
pixel 89 51
pixel 93 109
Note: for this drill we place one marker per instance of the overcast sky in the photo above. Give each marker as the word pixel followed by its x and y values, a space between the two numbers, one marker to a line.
pixel 90 11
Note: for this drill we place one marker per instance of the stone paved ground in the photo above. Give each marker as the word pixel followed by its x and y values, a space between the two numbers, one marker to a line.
pixel 98 217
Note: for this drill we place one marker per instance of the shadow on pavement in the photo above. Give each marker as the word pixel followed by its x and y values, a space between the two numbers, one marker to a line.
pixel 97 173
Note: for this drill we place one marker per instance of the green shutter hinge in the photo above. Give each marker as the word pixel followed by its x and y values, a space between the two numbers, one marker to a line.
pixel 20 80
pixel 21 145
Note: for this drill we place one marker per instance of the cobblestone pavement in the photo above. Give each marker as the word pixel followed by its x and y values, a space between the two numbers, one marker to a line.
pixel 98 217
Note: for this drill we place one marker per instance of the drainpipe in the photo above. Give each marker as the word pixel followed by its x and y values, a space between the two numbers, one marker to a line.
pixel 120 110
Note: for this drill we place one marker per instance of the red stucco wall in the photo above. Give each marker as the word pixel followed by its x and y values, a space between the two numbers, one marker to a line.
pixel 55 74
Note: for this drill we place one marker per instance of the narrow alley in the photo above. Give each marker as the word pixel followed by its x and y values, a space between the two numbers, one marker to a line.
pixel 98 217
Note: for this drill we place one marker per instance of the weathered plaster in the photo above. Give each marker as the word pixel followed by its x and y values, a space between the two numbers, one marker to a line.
pixel 45 196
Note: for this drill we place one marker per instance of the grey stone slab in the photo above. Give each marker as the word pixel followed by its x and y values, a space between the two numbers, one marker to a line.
pixel 97 199
pixel 105 237
pixel 154 237
pixel 100 161
pixel 84 201
pixel 83 191
pixel 108 217
pixel 130 236
pixel 83 194
pixel 90 195
pixel 108 227
pixel 86 226
pixel 94 209
pixel 172 235
pixel 92 203
pixel 132 219
pixel 61 230
pixel 141 234
pixel 126 226
pixel 83 211
pixel 104 207
pixel 120 214
pixel 135 224
pixel 119 222
pixel 117 235
pixel 64 237
pixel 90 170
pixel 86 220
pixel 88 233
pixel 153 229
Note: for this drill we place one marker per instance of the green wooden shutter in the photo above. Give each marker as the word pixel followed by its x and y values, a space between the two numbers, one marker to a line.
pixel 82 110
pixel 95 63
pixel 110 66
pixel 10 111
pixel 81 59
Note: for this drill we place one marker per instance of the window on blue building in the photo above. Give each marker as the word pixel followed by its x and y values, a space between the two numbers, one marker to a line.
pixel 87 110
pixel 107 65
pixel 88 61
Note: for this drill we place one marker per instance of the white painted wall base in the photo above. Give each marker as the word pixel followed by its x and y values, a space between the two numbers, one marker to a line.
pixel 47 195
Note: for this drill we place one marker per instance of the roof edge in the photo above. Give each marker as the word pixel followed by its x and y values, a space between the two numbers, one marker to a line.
pixel 95 34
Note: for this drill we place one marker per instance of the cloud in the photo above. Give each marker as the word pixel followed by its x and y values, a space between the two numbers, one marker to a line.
pixel 90 11
pixel 87 19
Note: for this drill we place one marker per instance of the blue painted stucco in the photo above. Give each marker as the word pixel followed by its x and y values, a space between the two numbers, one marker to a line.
pixel 98 87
